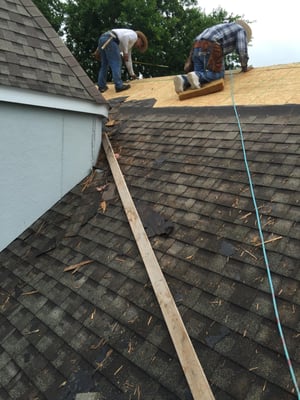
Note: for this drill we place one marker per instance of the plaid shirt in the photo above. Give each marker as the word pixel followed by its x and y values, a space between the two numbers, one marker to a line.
pixel 230 36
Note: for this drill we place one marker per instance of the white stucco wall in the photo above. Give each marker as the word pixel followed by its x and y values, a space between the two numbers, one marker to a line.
pixel 43 154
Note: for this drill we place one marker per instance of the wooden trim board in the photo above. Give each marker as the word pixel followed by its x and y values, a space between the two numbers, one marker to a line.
pixel 191 366
pixel 207 88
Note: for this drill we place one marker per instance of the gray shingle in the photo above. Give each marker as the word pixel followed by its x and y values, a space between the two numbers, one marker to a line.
pixel 101 329
pixel 29 45
pixel 224 298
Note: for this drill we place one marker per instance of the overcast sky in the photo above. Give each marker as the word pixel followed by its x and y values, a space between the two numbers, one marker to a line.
pixel 276 30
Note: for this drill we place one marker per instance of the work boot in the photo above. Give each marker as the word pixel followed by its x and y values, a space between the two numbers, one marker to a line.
pixel 193 80
pixel 124 87
pixel 179 84
pixel 102 90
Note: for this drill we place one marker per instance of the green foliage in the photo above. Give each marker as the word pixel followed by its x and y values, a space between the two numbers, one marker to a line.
pixel 170 26
pixel 53 10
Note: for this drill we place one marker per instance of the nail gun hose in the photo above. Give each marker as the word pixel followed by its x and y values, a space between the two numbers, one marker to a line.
pixel 276 312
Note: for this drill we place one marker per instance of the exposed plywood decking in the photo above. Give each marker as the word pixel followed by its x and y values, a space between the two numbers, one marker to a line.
pixel 274 85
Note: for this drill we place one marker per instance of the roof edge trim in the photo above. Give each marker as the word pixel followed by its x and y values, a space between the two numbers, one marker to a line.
pixel 40 99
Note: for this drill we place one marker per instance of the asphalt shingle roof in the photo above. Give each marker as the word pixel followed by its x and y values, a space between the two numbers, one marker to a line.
pixel 34 57
pixel 100 329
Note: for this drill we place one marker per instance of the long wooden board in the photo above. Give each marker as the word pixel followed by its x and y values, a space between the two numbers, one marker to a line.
pixel 190 363
pixel 207 88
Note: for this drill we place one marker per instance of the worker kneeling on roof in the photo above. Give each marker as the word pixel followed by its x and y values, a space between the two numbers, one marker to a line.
pixel 110 46
pixel 206 60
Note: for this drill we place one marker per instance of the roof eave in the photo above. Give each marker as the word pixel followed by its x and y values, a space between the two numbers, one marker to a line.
pixel 40 99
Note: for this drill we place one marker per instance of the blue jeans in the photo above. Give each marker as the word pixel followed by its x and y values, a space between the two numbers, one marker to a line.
pixel 200 59
pixel 110 57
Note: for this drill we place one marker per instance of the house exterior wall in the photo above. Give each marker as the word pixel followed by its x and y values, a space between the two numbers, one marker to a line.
pixel 43 153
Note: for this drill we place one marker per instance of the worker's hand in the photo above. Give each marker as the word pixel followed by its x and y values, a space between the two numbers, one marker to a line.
pixel 133 77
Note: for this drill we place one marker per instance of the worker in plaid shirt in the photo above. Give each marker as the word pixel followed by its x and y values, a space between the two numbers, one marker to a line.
pixel 206 60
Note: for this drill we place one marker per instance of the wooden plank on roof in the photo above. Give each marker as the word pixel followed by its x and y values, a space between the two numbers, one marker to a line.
pixel 190 363
pixel 207 88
